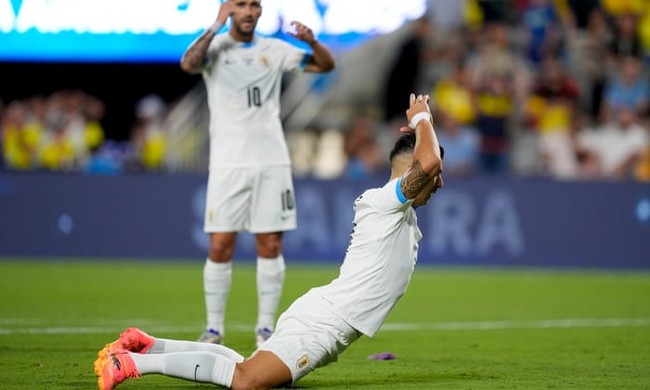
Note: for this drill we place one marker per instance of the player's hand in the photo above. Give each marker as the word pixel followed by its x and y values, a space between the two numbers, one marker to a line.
pixel 302 33
pixel 226 10
pixel 417 104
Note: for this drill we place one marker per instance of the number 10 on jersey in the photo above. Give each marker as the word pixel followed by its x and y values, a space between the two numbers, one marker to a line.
pixel 254 97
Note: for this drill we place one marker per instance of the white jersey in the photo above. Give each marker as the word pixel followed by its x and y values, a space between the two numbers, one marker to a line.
pixel 379 261
pixel 243 82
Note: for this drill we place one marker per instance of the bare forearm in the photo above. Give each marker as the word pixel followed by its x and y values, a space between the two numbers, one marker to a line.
pixel 194 56
pixel 426 161
pixel 426 151
pixel 427 148
pixel 322 59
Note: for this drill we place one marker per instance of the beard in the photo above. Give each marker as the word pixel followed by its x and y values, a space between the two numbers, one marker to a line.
pixel 246 31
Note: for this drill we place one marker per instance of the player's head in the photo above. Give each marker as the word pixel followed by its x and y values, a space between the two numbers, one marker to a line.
pixel 403 150
pixel 244 17
pixel 401 158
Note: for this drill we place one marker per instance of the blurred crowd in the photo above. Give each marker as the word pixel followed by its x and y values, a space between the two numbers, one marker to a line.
pixel 536 88
pixel 63 132
pixel 543 88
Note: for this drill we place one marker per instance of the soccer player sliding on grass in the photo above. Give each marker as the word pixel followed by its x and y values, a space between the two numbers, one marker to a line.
pixel 322 323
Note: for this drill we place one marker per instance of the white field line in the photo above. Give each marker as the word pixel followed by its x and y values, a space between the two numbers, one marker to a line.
pixel 567 323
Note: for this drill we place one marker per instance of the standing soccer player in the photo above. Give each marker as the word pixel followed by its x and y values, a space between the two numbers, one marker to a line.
pixel 325 321
pixel 250 186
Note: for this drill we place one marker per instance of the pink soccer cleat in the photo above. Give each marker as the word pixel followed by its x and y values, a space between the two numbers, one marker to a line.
pixel 132 339
pixel 114 368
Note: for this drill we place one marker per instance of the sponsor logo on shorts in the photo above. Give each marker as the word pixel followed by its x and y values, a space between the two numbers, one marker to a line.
pixel 196 370
pixel 302 362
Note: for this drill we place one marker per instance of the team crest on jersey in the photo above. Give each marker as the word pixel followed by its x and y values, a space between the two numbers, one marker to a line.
pixel 302 362
pixel 264 60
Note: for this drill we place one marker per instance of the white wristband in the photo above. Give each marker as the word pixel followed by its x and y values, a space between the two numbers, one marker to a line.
pixel 418 117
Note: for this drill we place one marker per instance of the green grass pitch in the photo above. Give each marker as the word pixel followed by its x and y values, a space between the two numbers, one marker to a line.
pixel 455 328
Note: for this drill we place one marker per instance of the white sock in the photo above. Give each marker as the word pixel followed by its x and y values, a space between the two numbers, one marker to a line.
pixel 172 346
pixel 270 279
pixel 217 278
pixel 198 366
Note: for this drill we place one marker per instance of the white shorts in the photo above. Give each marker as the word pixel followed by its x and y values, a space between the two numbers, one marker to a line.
pixel 257 200
pixel 307 337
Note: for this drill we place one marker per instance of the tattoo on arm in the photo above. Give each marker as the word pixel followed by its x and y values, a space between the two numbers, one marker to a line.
pixel 195 54
pixel 415 180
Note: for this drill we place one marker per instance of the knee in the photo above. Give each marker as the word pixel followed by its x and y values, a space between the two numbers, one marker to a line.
pixel 220 254
pixel 270 251
pixel 246 380
pixel 270 246
pixel 221 250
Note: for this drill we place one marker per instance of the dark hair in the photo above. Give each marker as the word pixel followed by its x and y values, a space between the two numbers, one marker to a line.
pixel 405 144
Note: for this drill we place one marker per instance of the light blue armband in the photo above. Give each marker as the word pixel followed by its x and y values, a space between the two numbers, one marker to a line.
pixel 398 191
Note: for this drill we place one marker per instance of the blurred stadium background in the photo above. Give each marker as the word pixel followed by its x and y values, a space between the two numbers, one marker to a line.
pixel 542 106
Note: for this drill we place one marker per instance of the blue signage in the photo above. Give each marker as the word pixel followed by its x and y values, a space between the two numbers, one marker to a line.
pixel 486 221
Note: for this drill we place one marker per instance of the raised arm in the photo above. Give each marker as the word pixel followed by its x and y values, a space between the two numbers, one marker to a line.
pixel 194 57
pixel 322 60
pixel 427 161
